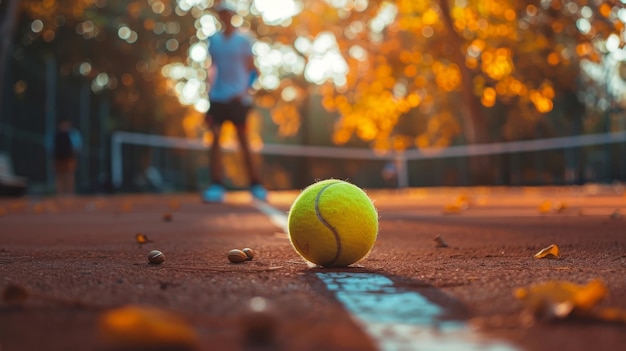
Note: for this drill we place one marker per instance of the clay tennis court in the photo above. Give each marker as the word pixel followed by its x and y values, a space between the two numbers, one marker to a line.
pixel 78 258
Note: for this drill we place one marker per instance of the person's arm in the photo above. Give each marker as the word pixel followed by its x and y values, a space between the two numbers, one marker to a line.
pixel 211 73
pixel 211 69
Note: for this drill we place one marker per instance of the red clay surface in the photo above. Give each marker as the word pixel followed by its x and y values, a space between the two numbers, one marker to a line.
pixel 84 250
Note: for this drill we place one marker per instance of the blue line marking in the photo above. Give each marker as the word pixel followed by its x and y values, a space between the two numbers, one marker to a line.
pixel 402 320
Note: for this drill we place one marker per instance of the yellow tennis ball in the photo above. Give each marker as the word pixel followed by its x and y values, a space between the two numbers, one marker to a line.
pixel 333 223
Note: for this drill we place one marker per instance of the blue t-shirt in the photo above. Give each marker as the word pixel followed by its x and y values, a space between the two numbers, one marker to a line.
pixel 230 56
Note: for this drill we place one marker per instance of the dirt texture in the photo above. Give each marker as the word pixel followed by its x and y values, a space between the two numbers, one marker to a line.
pixel 78 258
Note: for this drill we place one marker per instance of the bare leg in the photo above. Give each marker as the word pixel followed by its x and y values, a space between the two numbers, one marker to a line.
pixel 215 156
pixel 244 144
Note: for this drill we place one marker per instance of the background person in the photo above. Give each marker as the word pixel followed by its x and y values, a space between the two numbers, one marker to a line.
pixel 66 145
pixel 230 77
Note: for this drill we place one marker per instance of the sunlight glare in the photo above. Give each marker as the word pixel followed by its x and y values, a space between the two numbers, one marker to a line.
pixel 325 61
pixel 198 52
pixel 275 12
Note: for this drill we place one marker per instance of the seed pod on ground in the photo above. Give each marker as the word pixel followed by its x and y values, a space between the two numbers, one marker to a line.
pixel 249 252
pixel 156 257
pixel 237 256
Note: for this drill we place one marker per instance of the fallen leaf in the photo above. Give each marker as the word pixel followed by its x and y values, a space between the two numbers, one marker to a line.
pixel 126 207
pixel 439 242
pixel 545 207
pixel 611 314
pixel 174 205
pixel 138 327
pixel 559 206
pixel 141 238
pixel 561 299
pixel 551 251
pixel 458 204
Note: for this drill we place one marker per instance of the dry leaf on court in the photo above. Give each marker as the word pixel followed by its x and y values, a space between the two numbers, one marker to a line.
pixel 126 207
pixel 545 207
pixel 611 314
pixel 174 205
pixel 137 327
pixel 559 206
pixel 458 204
pixel 439 242
pixel 562 299
pixel 142 238
pixel 551 251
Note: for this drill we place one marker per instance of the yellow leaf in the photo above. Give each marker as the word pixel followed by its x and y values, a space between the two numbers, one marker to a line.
pixel 551 251
pixel 141 238
pixel 452 208
pixel 562 298
pixel 589 295
pixel 612 314
pixel 132 327
pixel 545 207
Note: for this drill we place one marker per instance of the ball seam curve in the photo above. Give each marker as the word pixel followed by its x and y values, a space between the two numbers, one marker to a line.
pixel 328 225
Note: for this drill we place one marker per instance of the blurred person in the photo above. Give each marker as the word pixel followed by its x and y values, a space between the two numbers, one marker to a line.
pixel 390 174
pixel 230 77
pixel 66 145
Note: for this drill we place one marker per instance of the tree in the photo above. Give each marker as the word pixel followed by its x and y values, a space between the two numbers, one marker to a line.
pixel 398 74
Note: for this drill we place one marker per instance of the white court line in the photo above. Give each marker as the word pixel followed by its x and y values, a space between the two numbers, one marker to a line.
pixel 399 319
pixel 396 319
pixel 279 218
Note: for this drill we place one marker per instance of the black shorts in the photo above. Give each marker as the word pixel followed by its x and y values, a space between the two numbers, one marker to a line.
pixel 233 111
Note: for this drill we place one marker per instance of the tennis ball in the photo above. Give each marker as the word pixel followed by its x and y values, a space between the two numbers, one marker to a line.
pixel 333 223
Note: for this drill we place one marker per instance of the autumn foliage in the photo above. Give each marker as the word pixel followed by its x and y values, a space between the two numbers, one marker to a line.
pixel 418 73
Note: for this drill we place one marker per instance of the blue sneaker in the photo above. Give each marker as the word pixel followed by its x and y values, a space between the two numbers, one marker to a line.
pixel 258 192
pixel 214 193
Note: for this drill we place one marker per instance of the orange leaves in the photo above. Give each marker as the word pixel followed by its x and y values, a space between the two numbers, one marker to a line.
pixel 440 130
pixel 497 63
pixel 542 98
pixel 137 327
pixel 562 299
pixel 448 77
pixel 141 238
pixel 605 10
pixel 584 49
pixel 287 117
pixel 488 99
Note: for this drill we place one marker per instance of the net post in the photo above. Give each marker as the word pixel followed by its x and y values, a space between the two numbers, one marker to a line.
pixel 403 170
